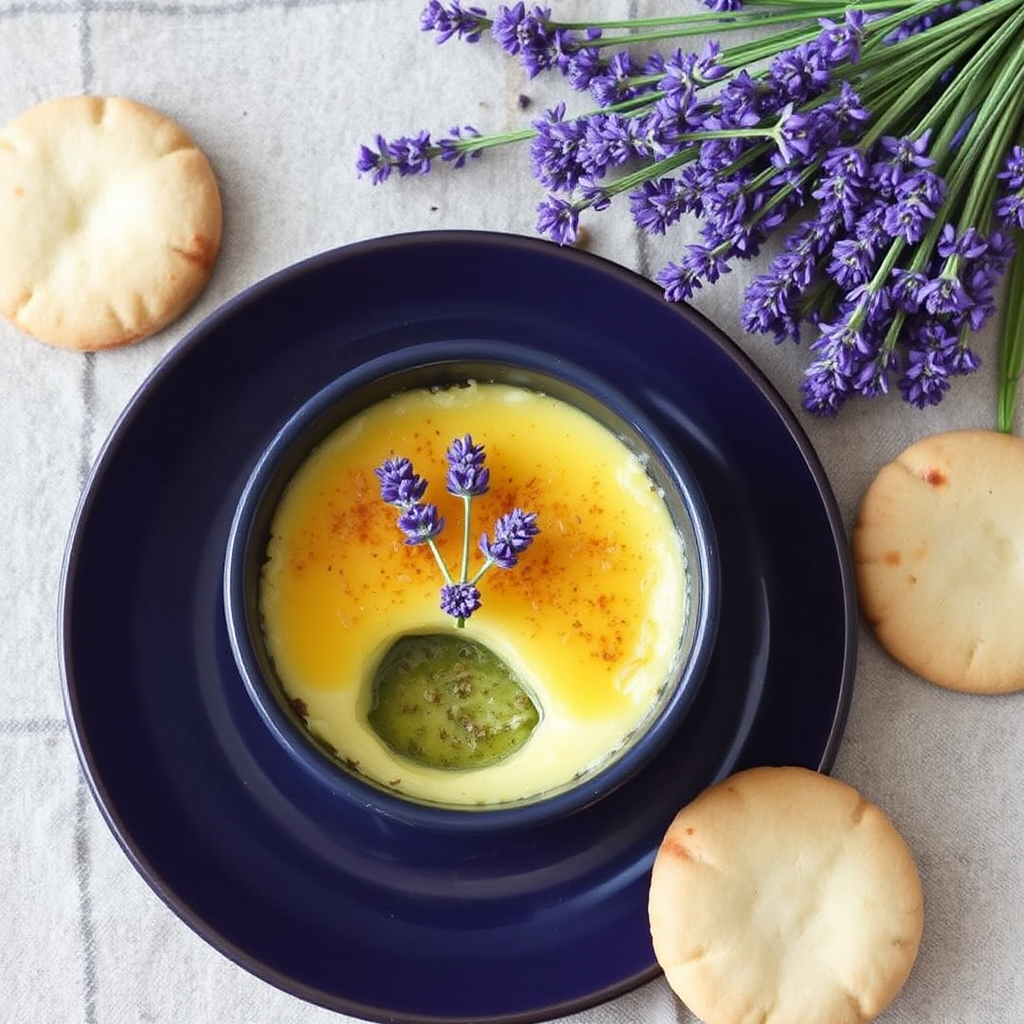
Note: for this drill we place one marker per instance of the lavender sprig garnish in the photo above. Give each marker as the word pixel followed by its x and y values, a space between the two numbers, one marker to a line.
pixel 881 141
pixel 467 478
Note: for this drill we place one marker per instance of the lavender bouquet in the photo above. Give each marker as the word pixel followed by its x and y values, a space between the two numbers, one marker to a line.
pixel 881 141
pixel 467 478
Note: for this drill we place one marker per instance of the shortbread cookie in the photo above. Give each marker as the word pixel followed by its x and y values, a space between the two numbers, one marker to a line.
pixel 939 553
pixel 110 221
pixel 782 896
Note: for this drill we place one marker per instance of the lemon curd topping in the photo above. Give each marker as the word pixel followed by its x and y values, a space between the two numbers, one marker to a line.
pixel 590 620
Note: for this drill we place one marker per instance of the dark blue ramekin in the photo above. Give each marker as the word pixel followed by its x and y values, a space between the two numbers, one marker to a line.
pixel 440 364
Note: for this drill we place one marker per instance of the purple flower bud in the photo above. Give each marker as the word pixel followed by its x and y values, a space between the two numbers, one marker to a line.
pixel 513 534
pixel 841 43
pixel 528 36
pixel 963 361
pixel 1010 209
pixel 555 153
pixel 375 161
pixel 901 154
pixel 459 600
pixel 926 378
pixel 907 219
pixel 411 154
pixel 399 485
pixel 678 282
pixel 420 523
pixel 467 23
pixel 558 219
pixel 1013 170
pixel 656 205
pixel 800 73
pixel 584 66
pixel 969 245
pixel 873 377
pixel 944 294
pixel 467 476
pixel 906 289
pixel 611 140
pixel 616 82
pixel 851 263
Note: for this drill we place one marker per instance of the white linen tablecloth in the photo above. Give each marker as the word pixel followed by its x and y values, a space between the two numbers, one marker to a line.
pixel 279 93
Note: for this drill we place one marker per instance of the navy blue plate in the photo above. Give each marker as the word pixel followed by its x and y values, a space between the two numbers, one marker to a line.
pixel 342 907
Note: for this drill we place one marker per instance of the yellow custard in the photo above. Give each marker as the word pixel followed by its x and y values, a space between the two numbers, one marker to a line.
pixel 590 619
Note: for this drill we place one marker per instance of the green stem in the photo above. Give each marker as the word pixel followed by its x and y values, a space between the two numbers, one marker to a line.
pixel 476 579
pixel 699 24
pixel 875 46
pixel 467 501
pixel 754 13
pixel 1011 347
pixel 783 193
pixel 892 335
pixel 478 143
pixel 646 173
pixel 875 284
pixel 992 138
pixel 978 79
pixel 897 91
pixel 440 561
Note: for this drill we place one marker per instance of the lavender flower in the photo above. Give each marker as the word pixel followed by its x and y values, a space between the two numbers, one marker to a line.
pixel 842 43
pixel 513 534
pixel 410 154
pixel 801 72
pixel 657 205
pixel 926 378
pixel 528 35
pixel 1009 208
pixel 556 150
pixel 460 600
pixel 558 219
pixel 691 70
pixel 616 82
pixel 375 161
pixel 468 24
pixel 399 483
pixel 583 66
pixel 467 475
pixel 420 523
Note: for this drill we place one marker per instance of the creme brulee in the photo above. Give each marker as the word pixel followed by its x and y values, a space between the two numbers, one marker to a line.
pixel 590 619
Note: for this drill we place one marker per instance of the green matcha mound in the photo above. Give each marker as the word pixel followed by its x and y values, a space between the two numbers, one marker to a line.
pixel 447 702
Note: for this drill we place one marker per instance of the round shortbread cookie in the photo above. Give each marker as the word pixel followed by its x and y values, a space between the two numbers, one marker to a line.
pixel 110 221
pixel 782 896
pixel 939 553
